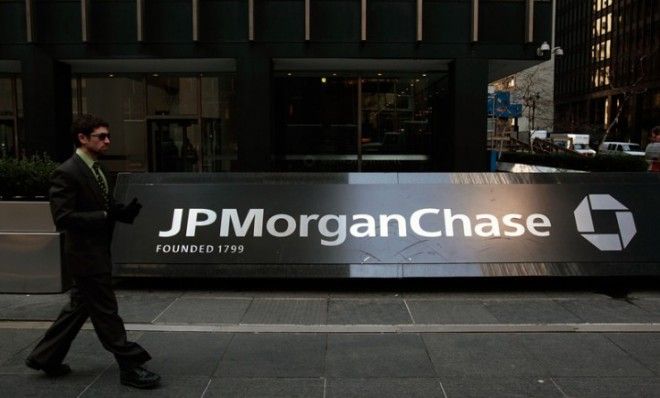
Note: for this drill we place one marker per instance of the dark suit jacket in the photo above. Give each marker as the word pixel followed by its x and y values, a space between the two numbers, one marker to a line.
pixel 77 206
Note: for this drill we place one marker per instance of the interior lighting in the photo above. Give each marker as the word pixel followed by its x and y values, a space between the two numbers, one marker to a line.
pixel 324 80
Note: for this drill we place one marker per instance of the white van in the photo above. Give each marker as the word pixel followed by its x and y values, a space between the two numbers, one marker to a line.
pixel 576 142
pixel 620 148
pixel 653 156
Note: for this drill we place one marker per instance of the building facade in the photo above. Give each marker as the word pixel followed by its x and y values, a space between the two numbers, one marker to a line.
pixel 609 77
pixel 264 85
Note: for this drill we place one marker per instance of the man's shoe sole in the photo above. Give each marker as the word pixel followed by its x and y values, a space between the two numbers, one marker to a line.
pixel 144 386
pixel 62 370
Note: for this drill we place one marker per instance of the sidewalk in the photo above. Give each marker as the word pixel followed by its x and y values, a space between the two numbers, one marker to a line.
pixel 236 342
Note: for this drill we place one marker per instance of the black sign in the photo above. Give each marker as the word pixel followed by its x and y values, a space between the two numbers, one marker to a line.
pixel 220 219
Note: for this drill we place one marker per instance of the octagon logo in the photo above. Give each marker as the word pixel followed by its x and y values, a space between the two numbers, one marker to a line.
pixel 585 224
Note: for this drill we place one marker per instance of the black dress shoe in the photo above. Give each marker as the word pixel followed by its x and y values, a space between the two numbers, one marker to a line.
pixel 138 377
pixel 51 371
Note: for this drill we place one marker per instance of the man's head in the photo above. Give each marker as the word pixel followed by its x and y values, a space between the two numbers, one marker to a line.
pixel 91 133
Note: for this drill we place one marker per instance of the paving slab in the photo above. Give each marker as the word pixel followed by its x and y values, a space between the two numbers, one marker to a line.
pixel 119 292
pixel 384 388
pixel 287 311
pixel 574 295
pixel 471 295
pixel 31 306
pixel 608 311
pixel 364 294
pixel 377 355
pixel 500 387
pixel 530 311
pixel 487 354
pixel 184 354
pixel 650 305
pixel 38 385
pixel 368 312
pixel 273 355
pixel 582 355
pixel 610 387
pixel 648 294
pixel 265 388
pixel 480 295
pixel 261 294
pixel 14 341
pixel 86 357
pixel 139 308
pixel 450 312
pixel 644 347
pixel 204 310
pixel 171 386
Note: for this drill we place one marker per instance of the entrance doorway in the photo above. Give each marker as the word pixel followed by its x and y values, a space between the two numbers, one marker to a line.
pixel 174 144
pixel 348 122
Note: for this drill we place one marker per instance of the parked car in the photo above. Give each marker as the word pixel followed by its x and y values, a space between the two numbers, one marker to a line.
pixel 653 156
pixel 620 148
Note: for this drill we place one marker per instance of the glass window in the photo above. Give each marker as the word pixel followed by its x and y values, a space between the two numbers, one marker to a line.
pixel 163 123
pixel 396 130
pixel 119 101
pixel 172 95
pixel 373 122
pixel 220 146
pixel 11 114
pixel 316 122
pixel 6 96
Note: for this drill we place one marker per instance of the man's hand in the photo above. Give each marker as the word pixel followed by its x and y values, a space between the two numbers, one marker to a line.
pixel 125 213
pixel 131 211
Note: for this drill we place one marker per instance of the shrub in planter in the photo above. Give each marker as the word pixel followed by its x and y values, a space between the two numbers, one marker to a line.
pixel 575 162
pixel 25 179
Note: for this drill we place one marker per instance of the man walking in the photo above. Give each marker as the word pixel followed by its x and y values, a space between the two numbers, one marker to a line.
pixel 83 208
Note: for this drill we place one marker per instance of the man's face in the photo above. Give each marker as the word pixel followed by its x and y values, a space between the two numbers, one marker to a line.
pixel 98 142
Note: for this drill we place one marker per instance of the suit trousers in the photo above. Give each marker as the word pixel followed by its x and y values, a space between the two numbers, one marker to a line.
pixel 91 297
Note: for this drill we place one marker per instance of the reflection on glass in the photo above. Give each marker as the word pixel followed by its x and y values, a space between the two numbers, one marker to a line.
pixel 172 95
pixel 321 117
pixel 163 123
pixel 220 143
pixel 316 122
pixel 395 116
pixel 10 116
pixel 120 101
pixel 176 144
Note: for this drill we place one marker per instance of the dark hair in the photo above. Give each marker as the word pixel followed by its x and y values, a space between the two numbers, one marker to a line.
pixel 655 130
pixel 86 124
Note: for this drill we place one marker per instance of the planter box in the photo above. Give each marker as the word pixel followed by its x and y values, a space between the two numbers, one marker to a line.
pixel 30 250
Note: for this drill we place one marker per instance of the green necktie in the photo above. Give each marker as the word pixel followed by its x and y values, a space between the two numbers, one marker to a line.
pixel 101 182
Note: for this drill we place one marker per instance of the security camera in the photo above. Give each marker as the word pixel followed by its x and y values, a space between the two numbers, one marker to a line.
pixel 543 50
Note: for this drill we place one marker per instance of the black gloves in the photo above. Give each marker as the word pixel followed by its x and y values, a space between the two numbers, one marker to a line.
pixel 125 213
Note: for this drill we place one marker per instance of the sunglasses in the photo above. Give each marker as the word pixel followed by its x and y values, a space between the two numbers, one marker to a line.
pixel 101 136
